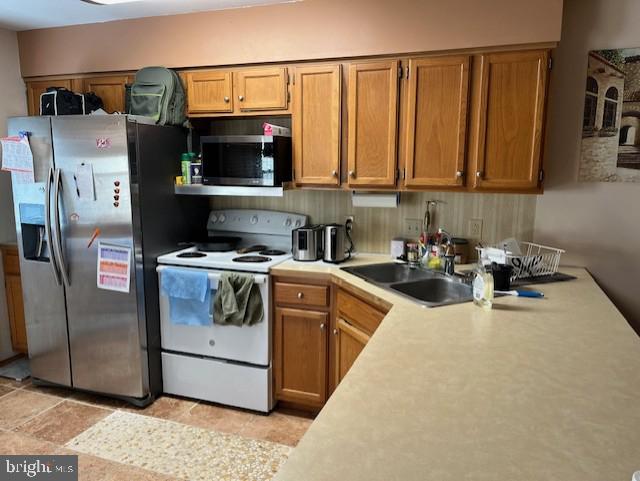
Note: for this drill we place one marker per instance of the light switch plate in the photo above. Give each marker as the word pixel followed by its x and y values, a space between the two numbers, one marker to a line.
pixel 412 228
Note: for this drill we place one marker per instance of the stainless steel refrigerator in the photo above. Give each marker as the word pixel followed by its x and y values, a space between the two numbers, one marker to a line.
pixel 78 334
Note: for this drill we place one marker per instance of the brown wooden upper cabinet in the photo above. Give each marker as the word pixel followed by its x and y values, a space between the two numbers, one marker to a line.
pixel 110 89
pixel 373 124
pixel 262 89
pixel 209 92
pixel 509 101
pixel 316 125
pixel 436 120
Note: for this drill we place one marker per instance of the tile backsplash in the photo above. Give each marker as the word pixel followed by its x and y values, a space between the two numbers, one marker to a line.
pixel 503 215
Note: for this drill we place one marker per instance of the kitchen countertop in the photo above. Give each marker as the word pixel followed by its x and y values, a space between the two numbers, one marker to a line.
pixel 534 389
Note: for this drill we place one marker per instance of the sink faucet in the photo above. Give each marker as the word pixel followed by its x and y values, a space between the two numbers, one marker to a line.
pixel 449 253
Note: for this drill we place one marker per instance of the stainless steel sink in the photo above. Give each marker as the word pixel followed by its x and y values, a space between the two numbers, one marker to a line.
pixel 426 287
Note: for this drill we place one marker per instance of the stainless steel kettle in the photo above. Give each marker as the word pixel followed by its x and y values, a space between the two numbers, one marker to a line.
pixel 335 242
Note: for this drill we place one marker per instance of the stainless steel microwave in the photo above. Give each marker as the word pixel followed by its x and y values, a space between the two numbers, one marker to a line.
pixel 246 160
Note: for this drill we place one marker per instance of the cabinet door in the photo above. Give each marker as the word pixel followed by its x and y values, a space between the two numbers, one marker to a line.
pixel 510 104
pixel 262 89
pixel 37 88
pixel 15 305
pixel 209 92
pixel 300 356
pixel 316 125
pixel 373 124
pixel 349 343
pixel 436 121
pixel 110 89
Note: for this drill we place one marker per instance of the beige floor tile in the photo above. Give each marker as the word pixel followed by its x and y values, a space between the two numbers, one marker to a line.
pixel 17 443
pixel 51 391
pixel 277 427
pixel 5 390
pixel 165 407
pixel 20 405
pixel 217 418
pixel 63 422
pixel 97 400
pixel 91 468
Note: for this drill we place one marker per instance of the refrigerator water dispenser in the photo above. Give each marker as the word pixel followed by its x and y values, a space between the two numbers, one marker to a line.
pixel 35 244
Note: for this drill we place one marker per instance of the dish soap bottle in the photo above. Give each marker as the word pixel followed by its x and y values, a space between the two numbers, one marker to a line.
pixel 482 287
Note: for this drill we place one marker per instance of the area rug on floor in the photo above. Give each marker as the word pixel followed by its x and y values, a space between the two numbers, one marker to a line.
pixel 178 450
pixel 18 369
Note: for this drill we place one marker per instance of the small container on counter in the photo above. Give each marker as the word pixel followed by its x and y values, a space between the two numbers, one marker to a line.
pixel 196 173
pixel 185 164
pixel 413 255
pixel 461 250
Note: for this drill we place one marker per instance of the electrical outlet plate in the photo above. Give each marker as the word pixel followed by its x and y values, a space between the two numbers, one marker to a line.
pixel 412 228
pixel 474 229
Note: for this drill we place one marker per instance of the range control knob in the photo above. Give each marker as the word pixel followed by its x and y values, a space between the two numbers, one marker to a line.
pixel 222 218
pixel 287 223
pixel 298 224
pixel 213 219
pixel 254 220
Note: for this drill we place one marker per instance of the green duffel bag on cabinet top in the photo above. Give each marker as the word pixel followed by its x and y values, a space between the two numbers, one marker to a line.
pixel 157 92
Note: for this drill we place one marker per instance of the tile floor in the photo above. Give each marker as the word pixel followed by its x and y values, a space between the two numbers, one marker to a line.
pixel 37 420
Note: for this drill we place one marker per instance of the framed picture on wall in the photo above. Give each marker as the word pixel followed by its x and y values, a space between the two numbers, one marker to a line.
pixel 610 149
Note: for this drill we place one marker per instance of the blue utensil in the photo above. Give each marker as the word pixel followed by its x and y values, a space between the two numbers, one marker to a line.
pixel 519 293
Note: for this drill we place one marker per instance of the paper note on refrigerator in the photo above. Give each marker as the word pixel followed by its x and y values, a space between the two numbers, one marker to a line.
pixel 18 158
pixel 114 267
pixel 83 178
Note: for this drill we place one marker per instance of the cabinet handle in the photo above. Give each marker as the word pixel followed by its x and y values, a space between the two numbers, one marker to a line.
pixel 322 326
pixel 459 173
pixel 240 98
pixel 335 332
pixel 300 295
pixel 352 173
pixel 226 99
pixel 334 173
pixel 478 174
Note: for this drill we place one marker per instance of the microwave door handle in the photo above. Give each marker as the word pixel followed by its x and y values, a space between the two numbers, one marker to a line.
pixel 57 183
pixel 48 230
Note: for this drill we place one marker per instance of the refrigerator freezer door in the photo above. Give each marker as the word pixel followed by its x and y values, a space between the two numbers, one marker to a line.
pixel 44 303
pixel 104 334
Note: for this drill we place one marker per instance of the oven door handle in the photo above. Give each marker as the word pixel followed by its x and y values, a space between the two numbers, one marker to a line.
pixel 214 277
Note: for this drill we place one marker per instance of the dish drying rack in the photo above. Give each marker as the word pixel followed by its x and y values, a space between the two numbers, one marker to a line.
pixel 535 260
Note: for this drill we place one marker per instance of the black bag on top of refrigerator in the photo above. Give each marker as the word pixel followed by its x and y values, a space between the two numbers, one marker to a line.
pixel 60 101
pixel 157 92
pixel 91 102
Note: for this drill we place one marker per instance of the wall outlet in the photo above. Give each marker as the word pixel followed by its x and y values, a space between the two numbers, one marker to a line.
pixel 474 230
pixel 412 228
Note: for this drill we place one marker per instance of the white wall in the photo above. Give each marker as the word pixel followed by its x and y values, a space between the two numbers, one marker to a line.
pixel 12 102
pixel 597 223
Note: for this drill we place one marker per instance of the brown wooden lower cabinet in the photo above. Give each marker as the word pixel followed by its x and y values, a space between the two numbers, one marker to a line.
pixel 300 356
pixel 15 303
pixel 314 347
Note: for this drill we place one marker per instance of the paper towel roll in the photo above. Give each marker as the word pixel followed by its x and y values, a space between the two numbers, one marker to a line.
pixel 375 199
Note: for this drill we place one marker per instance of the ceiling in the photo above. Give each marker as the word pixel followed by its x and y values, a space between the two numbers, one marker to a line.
pixel 34 14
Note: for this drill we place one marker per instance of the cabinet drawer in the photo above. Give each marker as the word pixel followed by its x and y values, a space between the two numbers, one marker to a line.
pixel 11 263
pixel 358 312
pixel 301 294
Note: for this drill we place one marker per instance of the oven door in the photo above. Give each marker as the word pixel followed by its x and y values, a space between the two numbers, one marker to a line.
pixel 247 160
pixel 247 344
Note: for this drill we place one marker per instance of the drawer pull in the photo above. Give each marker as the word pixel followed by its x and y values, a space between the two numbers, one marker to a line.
pixel 322 326
pixel 335 332
pixel 300 295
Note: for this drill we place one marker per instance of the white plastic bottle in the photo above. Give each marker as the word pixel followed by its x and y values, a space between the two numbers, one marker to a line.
pixel 482 287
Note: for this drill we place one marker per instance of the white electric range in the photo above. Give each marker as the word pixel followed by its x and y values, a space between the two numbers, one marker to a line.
pixel 222 363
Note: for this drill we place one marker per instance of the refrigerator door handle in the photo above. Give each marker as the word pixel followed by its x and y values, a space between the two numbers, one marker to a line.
pixel 57 183
pixel 47 228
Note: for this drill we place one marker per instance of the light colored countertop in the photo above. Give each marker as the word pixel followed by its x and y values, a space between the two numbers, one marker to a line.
pixel 534 389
